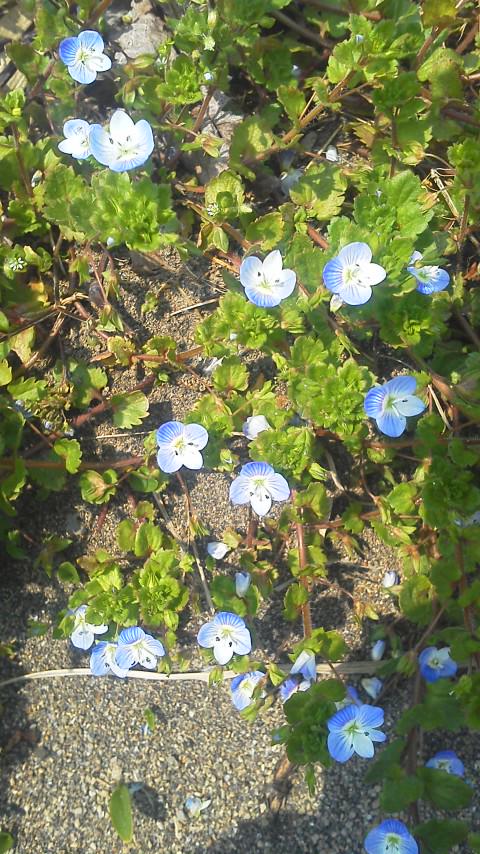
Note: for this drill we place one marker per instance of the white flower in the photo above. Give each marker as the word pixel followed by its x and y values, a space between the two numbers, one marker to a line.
pixel 217 550
pixel 84 633
pixel 266 283
pixel 180 445
pixel 136 647
pixel 242 583
pixel 84 57
pixel 391 579
pixel 102 660
pixel 126 145
pixel 227 634
pixel 377 651
pixel 254 425
pixel 351 274
pixel 259 485
pixel 332 154
pixel 77 139
pixel 372 686
pixel 194 806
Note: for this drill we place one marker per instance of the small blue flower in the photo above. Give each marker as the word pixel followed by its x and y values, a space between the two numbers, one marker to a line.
pixel 377 650
pixel 243 687
pixel 77 139
pixel 217 550
pixel 259 485
pixel 126 145
pixel 302 674
pixel 180 445
pixel 430 278
pixel 351 275
pixel 392 403
pixel 136 647
pixel 447 760
pixel 352 697
pixel 102 660
pixel 391 579
pixel 84 57
pixel 390 837
pixel 353 730
pixel 372 686
pixel 227 634
pixel 266 283
pixel 84 633
pixel 242 583
pixel 436 664
pixel 254 425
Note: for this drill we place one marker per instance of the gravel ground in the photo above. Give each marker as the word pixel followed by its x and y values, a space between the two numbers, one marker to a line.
pixel 67 742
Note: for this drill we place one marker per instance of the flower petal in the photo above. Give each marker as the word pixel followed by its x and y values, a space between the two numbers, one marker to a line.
pixel 370 717
pixel 256 470
pixel 67 50
pixel 240 490
pixel 223 650
pixel 168 461
pixel 242 641
pixel 391 424
pixel 99 665
pixel 340 747
pixel 81 73
pixel 168 432
pixel 355 294
pixel 154 646
pixel 261 298
pixel 261 501
pixel 196 435
pixel 76 127
pixel 333 276
pixel 91 40
pixel 363 745
pixel 400 386
pixel 131 635
pixel 99 62
pixel 82 637
pixel 191 458
pixel 344 716
pixel 374 399
pixel 355 253
pixel 125 657
pixel 207 634
pixel 101 147
pixel 272 265
pixel 251 271
pixel 143 136
pixel 277 487
pixel 409 405
pixel 373 274
pixel 254 425
pixel 217 550
pixel 121 126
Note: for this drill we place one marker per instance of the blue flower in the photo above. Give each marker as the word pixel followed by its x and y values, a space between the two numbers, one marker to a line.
pixel 351 696
pixel 447 760
pixel 180 445
pixel 227 634
pixel 259 485
pixel 430 278
pixel 126 145
pixel 302 674
pixel 436 664
pixel 84 57
pixel 266 283
pixel 391 579
pixel 217 550
pixel 77 139
pixel 84 633
pixel 242 583
pixel 243 687
pixel 351 275
pixel 353 730
pixel 390 837
pixel 254 425
pixel 136 647
pixel 392 403
pixel 372 686
pixel 377 651
pixel 102 660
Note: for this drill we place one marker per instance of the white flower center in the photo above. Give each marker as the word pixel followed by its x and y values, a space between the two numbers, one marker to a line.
pixel 83 54
pixel 393 843
pixel 179 445
pixel 425 274
pixel 435 663
pixel 224 634
pixel 443 765
pixel 353 275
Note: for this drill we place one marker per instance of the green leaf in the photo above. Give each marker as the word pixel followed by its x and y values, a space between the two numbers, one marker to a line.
pixel 67 573
pixel 6 841
pixel 444 790
pixel 388 760
pixel 438 13
pixel 71 452
pixel 399 792
pixel 295 597
pixel 5 372
pixel 126 532
pixel 121 812
pixel 98 488
pixel 440 835
pixel 225 197
pixel 230 375
pixel 320 191
pixel 129 409
pixel 416 599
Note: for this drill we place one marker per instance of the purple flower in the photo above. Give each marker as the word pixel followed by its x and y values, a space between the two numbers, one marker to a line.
pixel 266 283
pixel 430 278
pixel 436 664
pixel 227 634
pixel 447 760
pixel 353 730
pixel 392 403
pixel 84 57
pixel 390 837
pixel 259 485
pixel 350 276
pixel 180 445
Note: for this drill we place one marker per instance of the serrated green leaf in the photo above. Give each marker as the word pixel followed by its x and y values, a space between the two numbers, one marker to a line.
pixel 129 409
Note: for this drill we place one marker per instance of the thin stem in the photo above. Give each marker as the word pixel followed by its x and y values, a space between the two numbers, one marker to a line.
pixel 196 555
pixel 21 164
pixel 301 30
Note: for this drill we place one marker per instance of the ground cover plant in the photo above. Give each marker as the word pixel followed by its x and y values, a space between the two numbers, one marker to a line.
pixel 349 274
